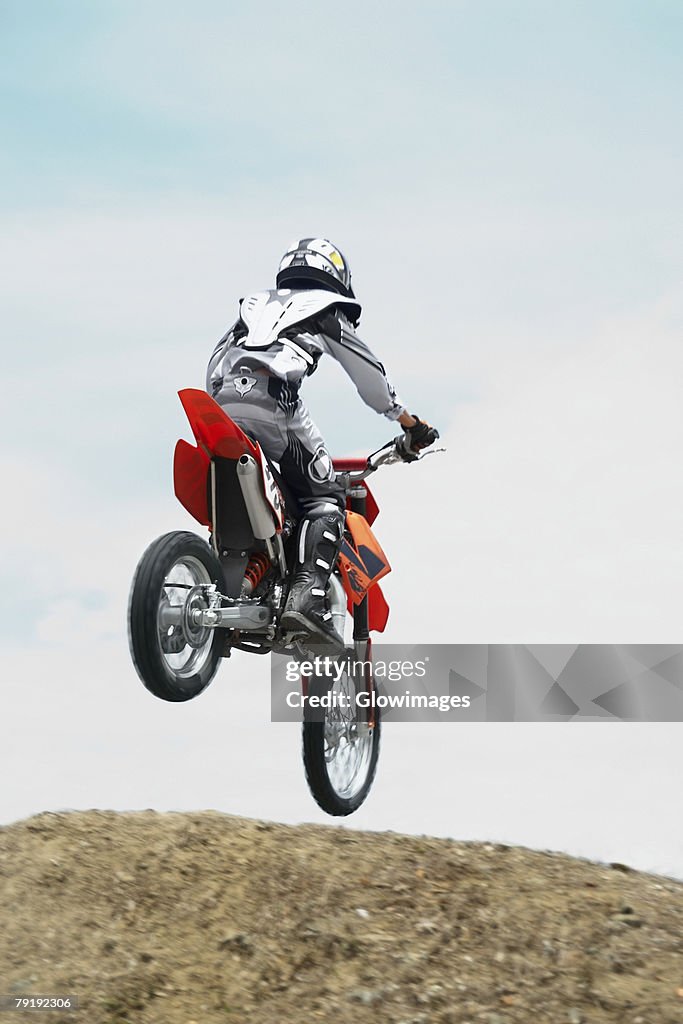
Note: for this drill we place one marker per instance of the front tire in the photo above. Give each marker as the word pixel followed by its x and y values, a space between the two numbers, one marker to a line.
pixel 341 746
pixel 175 660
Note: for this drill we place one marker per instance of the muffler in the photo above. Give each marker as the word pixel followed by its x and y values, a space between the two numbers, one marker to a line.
pixel 259 511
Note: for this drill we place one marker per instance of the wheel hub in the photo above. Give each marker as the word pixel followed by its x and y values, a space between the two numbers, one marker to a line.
pixel 196 635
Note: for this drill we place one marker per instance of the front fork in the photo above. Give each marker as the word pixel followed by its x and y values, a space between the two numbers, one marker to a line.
pixel 361 632
pixel 362 643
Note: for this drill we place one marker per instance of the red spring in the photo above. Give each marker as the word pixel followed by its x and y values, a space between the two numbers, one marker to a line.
pixel 258 566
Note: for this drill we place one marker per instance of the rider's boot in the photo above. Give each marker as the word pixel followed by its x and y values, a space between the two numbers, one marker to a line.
pixel 318 545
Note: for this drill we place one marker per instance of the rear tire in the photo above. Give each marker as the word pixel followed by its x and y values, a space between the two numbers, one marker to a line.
pixel 175 660
pixel 340 749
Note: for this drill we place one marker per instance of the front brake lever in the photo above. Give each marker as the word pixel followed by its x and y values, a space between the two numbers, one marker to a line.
pixel 408 455
pixel 431 451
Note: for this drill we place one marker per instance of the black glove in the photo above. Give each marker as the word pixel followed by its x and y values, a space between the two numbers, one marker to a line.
pixel 420 435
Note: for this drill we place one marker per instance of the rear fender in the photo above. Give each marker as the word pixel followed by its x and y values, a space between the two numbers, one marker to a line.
pixel 218 438
pixel 212 427
pixel 190 475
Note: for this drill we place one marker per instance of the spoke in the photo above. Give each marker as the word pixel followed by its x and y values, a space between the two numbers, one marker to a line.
pixel 182 658
pixel 347 745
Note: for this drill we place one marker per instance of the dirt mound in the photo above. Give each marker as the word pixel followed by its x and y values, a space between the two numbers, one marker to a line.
pixel 179 918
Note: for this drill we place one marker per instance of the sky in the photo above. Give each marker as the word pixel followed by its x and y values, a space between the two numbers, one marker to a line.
pixel 506 182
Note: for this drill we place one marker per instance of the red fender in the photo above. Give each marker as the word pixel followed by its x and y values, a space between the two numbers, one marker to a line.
pixel 190 470
pixel 216 434
pixel 378 609
pixel 213 428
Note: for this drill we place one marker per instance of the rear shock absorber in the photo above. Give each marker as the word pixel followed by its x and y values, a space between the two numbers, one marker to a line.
pixel 258 566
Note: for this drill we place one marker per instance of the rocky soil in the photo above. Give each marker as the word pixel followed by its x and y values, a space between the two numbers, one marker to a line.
pixel 209 919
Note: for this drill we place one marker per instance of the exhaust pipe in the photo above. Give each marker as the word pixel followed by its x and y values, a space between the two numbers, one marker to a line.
pixel 259 511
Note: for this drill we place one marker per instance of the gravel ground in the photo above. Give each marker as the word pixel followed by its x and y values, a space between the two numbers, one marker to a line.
pixel 204 918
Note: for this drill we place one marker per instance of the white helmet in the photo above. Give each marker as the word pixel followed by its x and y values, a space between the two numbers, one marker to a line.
pixel 311 262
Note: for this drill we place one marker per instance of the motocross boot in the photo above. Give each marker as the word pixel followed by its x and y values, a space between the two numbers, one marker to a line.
pixel 318 545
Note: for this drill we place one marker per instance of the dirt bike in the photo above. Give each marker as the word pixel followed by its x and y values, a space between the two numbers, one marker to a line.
pixel 193 602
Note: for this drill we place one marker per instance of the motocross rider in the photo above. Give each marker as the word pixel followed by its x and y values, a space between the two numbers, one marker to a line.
pixel 255 373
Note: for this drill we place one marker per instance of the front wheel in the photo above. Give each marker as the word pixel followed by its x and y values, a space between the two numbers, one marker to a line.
pixel 175 658
pixel 341 740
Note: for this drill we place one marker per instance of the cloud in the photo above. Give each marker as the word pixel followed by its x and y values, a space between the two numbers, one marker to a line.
pixel 554 516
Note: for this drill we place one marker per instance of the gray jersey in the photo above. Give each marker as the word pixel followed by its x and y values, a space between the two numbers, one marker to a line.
pixel 284 333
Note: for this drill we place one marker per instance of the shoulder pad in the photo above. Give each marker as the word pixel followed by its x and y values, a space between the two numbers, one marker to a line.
pixel 268 313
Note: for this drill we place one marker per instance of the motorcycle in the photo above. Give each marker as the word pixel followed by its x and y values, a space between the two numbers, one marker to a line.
pixel 193 602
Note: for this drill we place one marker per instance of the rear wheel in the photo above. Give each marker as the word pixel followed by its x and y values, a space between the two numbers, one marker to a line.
pixel 175 657
pixel 341 741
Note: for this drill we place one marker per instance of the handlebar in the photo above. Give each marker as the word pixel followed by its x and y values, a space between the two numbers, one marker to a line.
pixel 393 451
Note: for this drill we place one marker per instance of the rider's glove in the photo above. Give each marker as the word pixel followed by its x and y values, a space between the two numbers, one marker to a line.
pixel 420 435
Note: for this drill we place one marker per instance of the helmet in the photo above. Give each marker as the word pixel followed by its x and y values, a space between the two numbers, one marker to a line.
pixel 311 262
